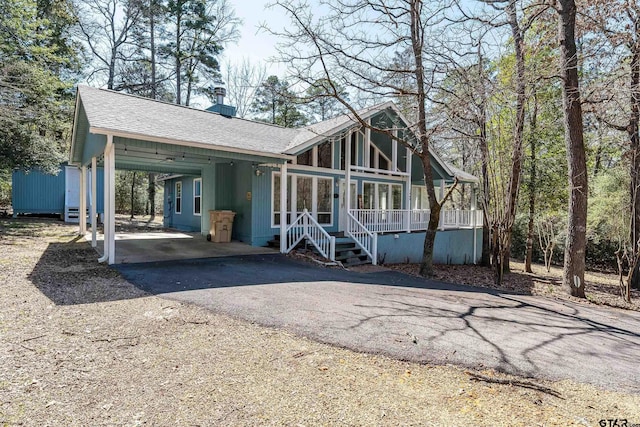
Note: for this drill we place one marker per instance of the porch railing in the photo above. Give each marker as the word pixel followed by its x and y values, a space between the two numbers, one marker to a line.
pixel 305 226
pixel 366 239
pixel 398 220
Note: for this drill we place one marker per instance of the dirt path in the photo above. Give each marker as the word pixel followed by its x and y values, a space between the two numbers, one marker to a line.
pixel 106 353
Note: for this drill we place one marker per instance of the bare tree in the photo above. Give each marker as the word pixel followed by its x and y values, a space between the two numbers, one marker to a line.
pixel 242 81
pixel 106 27
pixel 547 241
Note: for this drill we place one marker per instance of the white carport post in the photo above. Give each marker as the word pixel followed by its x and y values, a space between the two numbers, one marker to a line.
pixel 82 215
pixel 109 202
pixel 94 201
pixel 283 208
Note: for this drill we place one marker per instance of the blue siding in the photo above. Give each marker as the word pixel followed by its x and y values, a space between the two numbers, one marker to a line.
pixel 261 208
pixel 451 247
pixel 233 187
pixel 39 193
pixel 185 220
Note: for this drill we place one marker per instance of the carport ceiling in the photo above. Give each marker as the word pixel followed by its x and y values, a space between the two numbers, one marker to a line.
pixel 133 154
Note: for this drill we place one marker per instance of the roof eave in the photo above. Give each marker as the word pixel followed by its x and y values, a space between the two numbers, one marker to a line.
pixel 74 130
pixel 161 140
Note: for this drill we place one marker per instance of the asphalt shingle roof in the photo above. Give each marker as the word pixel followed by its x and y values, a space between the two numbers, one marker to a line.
pixel 118 112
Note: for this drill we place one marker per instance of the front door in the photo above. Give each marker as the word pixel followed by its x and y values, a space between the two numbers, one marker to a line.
pixel 342 214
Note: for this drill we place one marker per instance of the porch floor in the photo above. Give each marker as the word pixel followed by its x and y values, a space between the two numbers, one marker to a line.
pixel 132 247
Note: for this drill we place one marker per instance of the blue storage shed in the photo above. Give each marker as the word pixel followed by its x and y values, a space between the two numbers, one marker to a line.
pixel 35 192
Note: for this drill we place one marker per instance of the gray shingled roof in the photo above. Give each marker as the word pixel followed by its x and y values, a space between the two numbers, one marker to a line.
pixel 114 111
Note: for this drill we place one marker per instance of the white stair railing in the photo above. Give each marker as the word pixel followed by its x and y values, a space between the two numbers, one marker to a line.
pixel 305 226
pixel 365 239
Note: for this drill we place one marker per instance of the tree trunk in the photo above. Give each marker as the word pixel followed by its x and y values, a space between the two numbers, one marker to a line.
pixel 417 44
pixel 178 54
pixel 485 259
pixel 486 196
pixel 532 187
pixel 634 157
pixel 151 190
pixel 133 193
pixel 152 47
pixel 574 254
pixel 518 132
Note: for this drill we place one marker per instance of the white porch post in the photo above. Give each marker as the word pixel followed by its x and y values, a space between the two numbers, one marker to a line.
pixel 283 208
pixel 109 202
pixel 82 215
pixel 394 151
pixel 94 201
pixel 347 174
pixel 366 157
pixel 407 197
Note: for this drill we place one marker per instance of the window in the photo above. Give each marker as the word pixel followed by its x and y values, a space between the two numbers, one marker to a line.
pixel 312 193
pixel 325 155
pixel 383 196
pixel 178 196
pixel 320 156
pixel 419 199
pixel 305 158
pixel 197 196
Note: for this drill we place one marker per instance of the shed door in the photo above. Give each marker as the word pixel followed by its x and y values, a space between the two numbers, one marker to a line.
pixel 72 186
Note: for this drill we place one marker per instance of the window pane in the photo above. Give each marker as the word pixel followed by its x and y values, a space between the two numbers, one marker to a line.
pixel 397 196
pixel 303 198
pixel 276 197
pixel 196 202
pixel 178 204
pixel 368 195
pixel 342 153
pixel 325 195
pixel 306 158
pixel 324 155
pixel 383 163
pixel 196 187
pixel 372 156
pixel 383 196
pixel 354 151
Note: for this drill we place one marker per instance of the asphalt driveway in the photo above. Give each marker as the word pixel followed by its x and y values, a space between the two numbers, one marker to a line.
pixel 410 318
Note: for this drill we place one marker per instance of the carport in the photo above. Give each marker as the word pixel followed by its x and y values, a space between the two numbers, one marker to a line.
pixel 115 130
pixel 171 245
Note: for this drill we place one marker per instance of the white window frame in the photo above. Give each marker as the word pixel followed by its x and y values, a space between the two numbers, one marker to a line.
pixel 291 204
pixel 176 197
pixel 199 196
pixel 376 202
pixel 314 156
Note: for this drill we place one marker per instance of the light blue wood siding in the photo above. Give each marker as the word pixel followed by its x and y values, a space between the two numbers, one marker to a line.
pixel 450 247
pixel 40 193
pixel 185 220
pixel 234 192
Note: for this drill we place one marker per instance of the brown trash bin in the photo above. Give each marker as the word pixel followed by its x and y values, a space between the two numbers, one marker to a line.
pixel 221 226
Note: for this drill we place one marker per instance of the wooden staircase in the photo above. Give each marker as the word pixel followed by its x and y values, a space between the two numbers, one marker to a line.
pixel 347 251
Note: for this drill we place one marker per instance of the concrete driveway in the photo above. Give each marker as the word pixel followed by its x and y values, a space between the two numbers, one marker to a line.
pixel 385 312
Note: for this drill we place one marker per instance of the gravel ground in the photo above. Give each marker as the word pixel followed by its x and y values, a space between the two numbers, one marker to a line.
pixel 81 346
